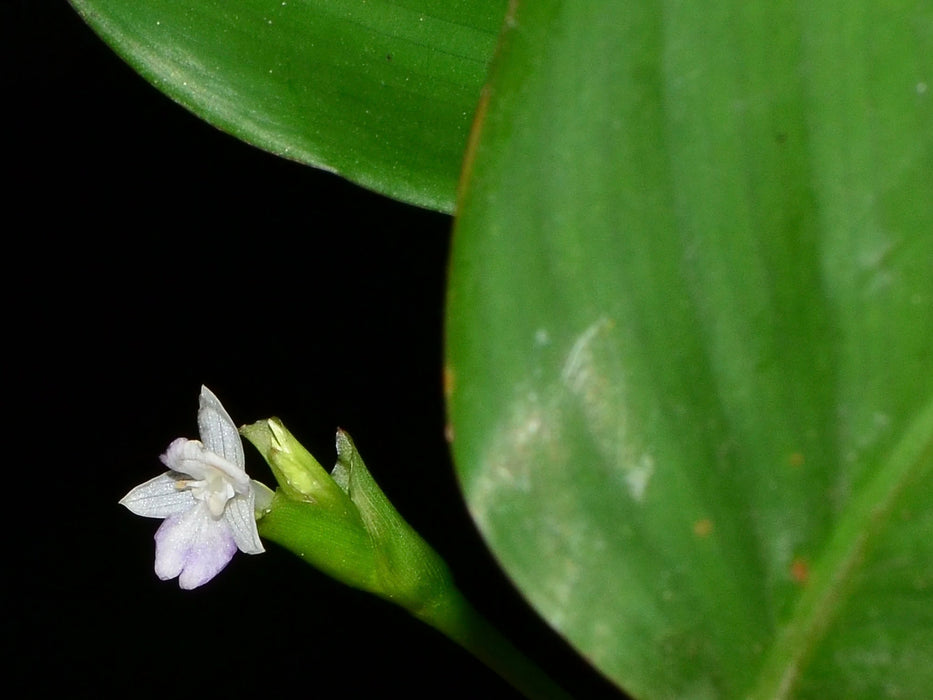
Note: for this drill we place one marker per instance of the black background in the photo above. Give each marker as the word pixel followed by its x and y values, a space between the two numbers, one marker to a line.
pixel 147 253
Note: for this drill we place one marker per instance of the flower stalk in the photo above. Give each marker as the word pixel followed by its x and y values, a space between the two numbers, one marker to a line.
pixel 344 525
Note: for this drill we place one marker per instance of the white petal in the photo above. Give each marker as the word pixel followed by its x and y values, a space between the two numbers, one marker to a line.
pixel 241 519
pixel 185 456
pixel 263 496
pixel 193 546
pixel 193 458
pixel 218 431
pixel 158 498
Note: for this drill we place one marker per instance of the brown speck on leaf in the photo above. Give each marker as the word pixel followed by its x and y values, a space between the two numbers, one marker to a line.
pixel 449 432
pixel 703 528
pixel 796 459
pixel 448 380
pixel 800 570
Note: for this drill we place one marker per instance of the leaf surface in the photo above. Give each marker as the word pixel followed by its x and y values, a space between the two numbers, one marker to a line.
pixel 690 340
pixel 380 91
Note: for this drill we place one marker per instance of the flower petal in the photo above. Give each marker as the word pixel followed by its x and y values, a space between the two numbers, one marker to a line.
pixel 241 519
pixel 158 498
pixel 263 496
pixel 218 431
pixel 193 546
pixel 185 456
pixel 194 459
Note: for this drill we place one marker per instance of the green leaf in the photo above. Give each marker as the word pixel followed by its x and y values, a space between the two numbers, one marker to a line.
pixel 380 91
pixel 691 340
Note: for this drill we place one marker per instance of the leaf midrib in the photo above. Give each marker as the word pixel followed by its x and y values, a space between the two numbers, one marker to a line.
pixel 860 525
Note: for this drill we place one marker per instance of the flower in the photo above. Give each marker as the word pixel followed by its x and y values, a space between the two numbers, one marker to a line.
pixel 206 499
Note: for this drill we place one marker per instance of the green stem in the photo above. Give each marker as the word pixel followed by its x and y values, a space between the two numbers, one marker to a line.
pixel 344 525
pixel 456 618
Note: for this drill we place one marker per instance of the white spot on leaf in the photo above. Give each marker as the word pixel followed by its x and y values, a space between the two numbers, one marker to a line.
pixel 594 374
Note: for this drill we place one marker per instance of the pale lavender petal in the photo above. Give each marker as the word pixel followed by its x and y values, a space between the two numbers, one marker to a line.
pixel 242 522
pixel 158 498
pixel 218 431
pixel 193 546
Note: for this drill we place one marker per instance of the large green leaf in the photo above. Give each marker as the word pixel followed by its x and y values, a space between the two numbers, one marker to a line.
pixel 380 91
pixel 691 339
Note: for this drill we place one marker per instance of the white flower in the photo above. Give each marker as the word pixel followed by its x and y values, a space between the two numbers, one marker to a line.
pixel 206 499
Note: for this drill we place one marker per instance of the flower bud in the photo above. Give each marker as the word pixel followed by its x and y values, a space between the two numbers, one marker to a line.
pixel 300 475
pixel 343 524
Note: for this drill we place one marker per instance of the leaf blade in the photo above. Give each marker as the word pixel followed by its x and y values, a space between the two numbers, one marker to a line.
pixel 379 92
pixel 689 322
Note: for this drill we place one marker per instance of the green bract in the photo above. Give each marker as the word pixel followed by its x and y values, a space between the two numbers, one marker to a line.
pixel 342 523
